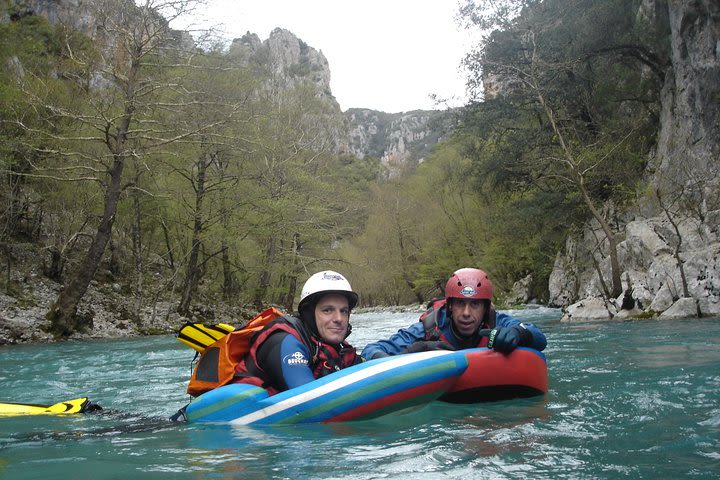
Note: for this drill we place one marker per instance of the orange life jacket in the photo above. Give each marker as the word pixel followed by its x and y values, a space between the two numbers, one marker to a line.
pixel 217 363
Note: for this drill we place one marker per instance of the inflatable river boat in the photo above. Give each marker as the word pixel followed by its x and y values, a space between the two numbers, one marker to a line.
pixel 492 376
pixel 379 387
pixel 360 392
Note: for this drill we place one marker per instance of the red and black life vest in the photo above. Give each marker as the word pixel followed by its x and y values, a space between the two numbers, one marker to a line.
pixel 325 359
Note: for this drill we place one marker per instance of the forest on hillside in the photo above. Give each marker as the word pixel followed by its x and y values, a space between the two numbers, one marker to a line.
pixel 184 172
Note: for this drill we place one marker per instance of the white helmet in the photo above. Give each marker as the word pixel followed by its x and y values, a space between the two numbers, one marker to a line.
pixel 323 283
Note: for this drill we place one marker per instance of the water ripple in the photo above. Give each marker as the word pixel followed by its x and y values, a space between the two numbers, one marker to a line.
pixel 627 400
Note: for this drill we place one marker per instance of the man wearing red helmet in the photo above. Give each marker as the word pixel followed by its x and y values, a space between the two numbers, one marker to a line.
pixel 465 318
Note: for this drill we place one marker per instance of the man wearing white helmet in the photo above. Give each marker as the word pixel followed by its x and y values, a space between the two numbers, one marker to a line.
pixel 294 350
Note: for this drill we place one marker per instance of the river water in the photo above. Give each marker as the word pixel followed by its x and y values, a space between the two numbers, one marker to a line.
pixel 636 399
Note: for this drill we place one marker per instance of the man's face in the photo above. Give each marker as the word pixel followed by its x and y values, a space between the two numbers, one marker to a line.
pixel 467 314
pixel 332 315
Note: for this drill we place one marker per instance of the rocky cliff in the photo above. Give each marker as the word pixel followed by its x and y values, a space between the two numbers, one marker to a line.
pixel 689 140
pixel 69 12
pixel 400 140
pixel 288 60
pixel 659 264
pixel 670 248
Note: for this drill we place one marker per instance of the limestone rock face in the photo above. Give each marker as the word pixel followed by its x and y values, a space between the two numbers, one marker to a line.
pixel 399 140
pixel 677 274
pixel 683 308
pixel 70 12
pixel 662 300
pixel 287 62
pixel 563 283
pixel 293 59
pixel 689 139
pixel 650 269
pixel 520 293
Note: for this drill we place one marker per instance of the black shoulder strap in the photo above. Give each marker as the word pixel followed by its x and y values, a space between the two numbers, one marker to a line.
pixel 299 326
pixel 429 321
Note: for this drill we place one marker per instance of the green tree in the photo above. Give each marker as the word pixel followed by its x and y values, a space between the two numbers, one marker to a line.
pixel 96 110
pixel 567 116
pixel 29 47
pixel 217 112
pixel 293 178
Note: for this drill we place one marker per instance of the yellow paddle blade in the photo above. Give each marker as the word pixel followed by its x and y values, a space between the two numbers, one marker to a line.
pixel 199 336
pixel 76 405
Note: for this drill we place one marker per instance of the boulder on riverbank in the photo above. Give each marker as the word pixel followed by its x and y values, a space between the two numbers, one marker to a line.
pixel 651 255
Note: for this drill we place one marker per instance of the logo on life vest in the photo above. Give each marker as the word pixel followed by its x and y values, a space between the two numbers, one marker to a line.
pixel 467 291
pixel 296 358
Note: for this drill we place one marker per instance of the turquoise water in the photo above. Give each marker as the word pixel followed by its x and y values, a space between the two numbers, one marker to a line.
pixel 633 400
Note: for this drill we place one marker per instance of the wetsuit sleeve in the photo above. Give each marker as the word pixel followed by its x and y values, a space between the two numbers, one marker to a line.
pixel 538 341
pixel 396 343
pixel 285 361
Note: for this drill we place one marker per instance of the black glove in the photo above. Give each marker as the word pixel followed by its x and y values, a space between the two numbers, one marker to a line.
pixel 507 339
pixel 423 346
pixel 378 354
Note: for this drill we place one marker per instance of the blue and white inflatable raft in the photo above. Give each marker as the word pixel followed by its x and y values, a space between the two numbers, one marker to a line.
pixel 379 387
pixel 361 392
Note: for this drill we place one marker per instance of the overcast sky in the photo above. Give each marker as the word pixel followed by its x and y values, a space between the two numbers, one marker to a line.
pixel 387 55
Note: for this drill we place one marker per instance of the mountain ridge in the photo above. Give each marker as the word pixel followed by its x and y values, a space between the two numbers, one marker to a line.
pixel 400 140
